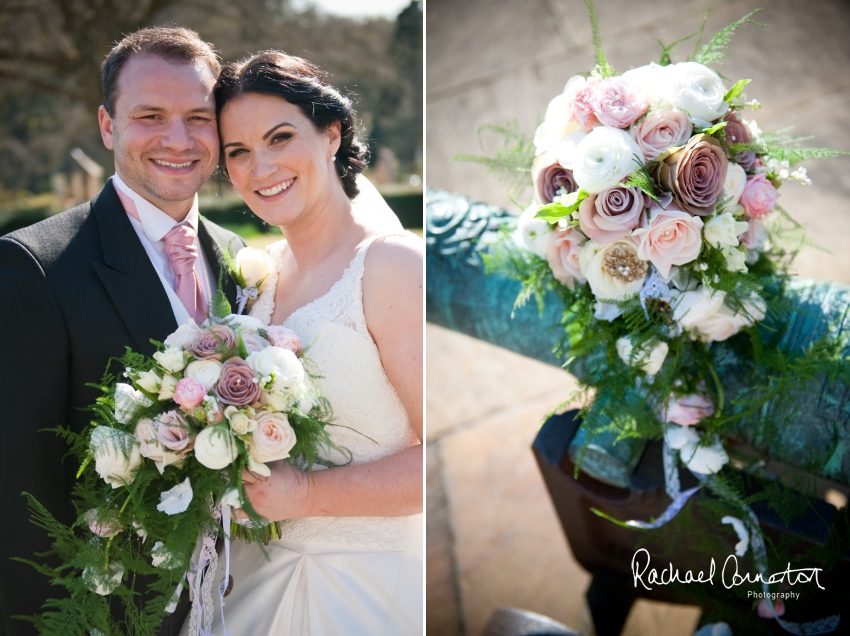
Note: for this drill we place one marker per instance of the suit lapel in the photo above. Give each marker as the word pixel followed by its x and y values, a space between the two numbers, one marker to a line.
pixel 128 275
pixel 213 242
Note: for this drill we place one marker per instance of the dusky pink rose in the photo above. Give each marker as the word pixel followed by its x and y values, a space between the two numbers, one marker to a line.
pixel 737 132
pixel 759 196
pixel 173 432
pixel 695 174
pixel 673 237
pixel 189 393
pixel 549 176
pixel 583 105
pixel 613 213
pixel 285 338
pixel 104 529
pixel 687 410
pixel 238 384
pixel 214 338
pixel 661 130
pixel 563 256
pixel 273 438
pixel 617 102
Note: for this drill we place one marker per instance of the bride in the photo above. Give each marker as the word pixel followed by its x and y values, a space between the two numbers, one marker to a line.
pixel 348 279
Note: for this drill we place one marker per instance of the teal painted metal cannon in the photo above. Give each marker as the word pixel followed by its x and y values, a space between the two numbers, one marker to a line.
pixel 462 298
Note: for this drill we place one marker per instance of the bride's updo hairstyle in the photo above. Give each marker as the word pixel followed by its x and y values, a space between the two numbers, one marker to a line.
pixel 302 84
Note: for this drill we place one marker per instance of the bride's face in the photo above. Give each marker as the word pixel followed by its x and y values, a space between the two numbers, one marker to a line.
pixel 277 159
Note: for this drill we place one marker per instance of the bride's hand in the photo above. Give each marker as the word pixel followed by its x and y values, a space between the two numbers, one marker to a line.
pixel 283 495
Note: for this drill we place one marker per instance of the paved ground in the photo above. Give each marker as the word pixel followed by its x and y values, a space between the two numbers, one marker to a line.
pixel 493 537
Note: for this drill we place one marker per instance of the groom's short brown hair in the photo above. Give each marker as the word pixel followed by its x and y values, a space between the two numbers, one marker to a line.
pixel 174 44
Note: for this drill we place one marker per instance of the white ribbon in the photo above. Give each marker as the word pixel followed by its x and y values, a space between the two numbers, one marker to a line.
pixel 243 296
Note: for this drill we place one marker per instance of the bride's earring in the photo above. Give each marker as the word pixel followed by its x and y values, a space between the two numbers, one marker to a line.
pixel 334 157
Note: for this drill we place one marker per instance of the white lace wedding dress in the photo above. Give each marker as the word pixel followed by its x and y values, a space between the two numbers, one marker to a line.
pixel 345 575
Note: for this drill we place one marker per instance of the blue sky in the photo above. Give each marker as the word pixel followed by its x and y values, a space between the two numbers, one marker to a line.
pixel 358 8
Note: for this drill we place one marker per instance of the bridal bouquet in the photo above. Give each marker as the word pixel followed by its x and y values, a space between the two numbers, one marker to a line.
pixel 162 462
pixel 656 220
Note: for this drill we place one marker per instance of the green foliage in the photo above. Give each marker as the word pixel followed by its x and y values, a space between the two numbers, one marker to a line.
pixel 714 50
pixel 603 68
pixel 641 178
pixel 736 90
pixel 666 50
pixel 554 212
pixel 512 163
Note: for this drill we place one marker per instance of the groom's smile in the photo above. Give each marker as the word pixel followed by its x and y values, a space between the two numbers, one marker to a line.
pixel 163 130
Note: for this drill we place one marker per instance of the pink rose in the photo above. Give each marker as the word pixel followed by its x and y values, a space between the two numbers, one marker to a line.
pixel 661 130
pixel 189 393
pixel 563 256
pixel 273 438
pixel 173 432
pixel 737 132
pixel 754 236
pixel 764 608
pixel 583 105
pixel 695 174
pixel 549 176
pixel 759 196
pixel 672 238
pixel 238 384
pixel 104 529
pixel 610 215
pixel 688 410
pixel 212 341
pixel 285 338
pixel 618 103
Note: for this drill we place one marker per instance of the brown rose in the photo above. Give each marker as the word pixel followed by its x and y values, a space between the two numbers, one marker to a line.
pixel 695 174
pixel 549 176
pixel 212 340
pixel 238 384
pixel 738 133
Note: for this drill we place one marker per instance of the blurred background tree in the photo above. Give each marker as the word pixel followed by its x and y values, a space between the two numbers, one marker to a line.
pixel 51 52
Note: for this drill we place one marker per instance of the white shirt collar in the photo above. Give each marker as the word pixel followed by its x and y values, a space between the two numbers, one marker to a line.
pixel 155 223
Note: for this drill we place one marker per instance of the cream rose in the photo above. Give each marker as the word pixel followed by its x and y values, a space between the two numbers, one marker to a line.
pixel 733 186
pixel 241 422
pixel 604 158
pixel 149 381
pixel 706 312
pixel 215 448
pixel 245 323
pixel 649 360
pixel 613 271
pixel 185 335
pixel 173 359
pixel 556 125
pixel 117 455
pixel 254 265
pixel 207 372
pixel 699 91
pixel 166 388
pixel 273 438
pixel 723 230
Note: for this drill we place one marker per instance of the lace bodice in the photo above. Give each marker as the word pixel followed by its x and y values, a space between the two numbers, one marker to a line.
pixel 373 422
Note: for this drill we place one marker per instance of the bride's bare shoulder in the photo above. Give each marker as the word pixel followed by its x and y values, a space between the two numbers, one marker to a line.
pixel 395 257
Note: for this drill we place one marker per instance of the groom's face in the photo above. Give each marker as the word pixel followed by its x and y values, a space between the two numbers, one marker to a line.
pixel 163 130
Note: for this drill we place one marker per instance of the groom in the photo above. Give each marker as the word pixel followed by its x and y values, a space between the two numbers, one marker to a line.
pixel 115 272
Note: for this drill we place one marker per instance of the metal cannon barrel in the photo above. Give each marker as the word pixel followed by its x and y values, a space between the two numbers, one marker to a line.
pixel 461 297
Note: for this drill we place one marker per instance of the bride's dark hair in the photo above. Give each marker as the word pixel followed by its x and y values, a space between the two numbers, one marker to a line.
pixel 303 84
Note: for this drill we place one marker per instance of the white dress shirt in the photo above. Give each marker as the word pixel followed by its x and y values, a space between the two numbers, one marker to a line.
pixel 151 226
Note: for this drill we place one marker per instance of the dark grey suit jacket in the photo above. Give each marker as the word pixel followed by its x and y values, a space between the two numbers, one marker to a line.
pixel 75 290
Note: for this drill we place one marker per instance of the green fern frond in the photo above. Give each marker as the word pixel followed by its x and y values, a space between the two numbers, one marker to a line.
pixel 602 66
pixel 713 52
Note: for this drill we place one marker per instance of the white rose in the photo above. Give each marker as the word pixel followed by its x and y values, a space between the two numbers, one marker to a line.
pixel 606 311
pixel 149 381
pixel 172 359
pixel 240 422
pixel 128 401
pixel 185 335
pixel 705 311
pixel 284 364
pixel 166 389
pixel 604 157
pixel 207 372
pixel 176 500
pixel 733 186
pixel 723 230
pixel 160 555
pixel 109 445
pixel 215 447
pixel 603 283
pixel 649 361
pixel 273 439
pixel 566 150
pixel 705 460
pixel 277 400
pixel 736 259
pixel 246 324
pixel 655 80
pixel 699 91
pixel 556 125
pixel 103 583
pixel 680 436
pixel 254 264
pixel 536 233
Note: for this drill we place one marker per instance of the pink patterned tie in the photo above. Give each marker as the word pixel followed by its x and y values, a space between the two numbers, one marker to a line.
pixel 181 250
